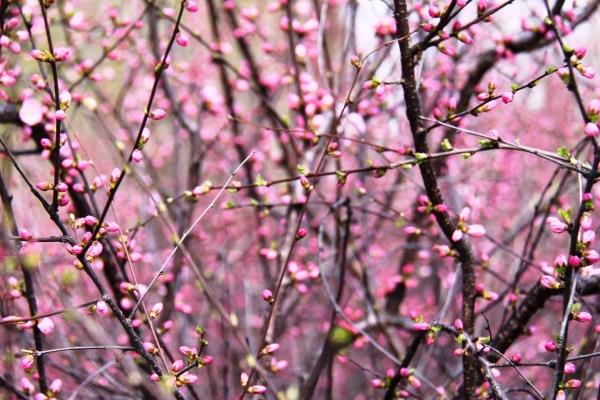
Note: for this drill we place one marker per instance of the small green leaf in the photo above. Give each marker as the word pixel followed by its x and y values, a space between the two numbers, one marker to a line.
pixel 563 152
pixel 341 337
pixel 565 215
pixel 260 181
pixel 446 146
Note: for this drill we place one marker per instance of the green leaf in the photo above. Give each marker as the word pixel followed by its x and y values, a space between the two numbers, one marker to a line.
pixel 341 337
pixel 260 181
pixel 488 144
pixel 563 152
pixel 302 170
pixel 420 157
pixel 446 146
pixel 565 215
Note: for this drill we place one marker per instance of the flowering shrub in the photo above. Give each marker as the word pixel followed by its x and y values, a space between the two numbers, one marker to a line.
pixel 299 199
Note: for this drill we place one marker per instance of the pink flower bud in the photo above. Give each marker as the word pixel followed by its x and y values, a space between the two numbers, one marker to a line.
pixel 586 220
pixel 586 71
pixel 64 98
pixel 270 349
pixel 556 225
pixel 267 296
pixel 182 40
pixel 95 249
pixel 25 234
pixel 582 316
pixel 574 261
pixel 39 55
pixel 591 129
pixel 580 52
pixel 60 115
pixel 516 358
pixel 61 53
pixel 593 107
pixel 588 237
pixel 301 233
pixel 441 208
pixel 102 307
pixel 570 368
pixel 476 230
pixel 591 256
pixel 434 12
pixel 573 383
pixel 27 362
pixel 44 186
pixel 157 114
pixel 257 389
pixel 550 282
pixel 206 360
pixel 421 326
pixel 411 230
pixel 305 183
pixel 191 6
pixel 27 386
pixel 55 386
pixel 177 366
pixel 74 250
pixel 507 97
pixel 550 346
pixel 137 156
pixel 188 378
pixel 560 261
pixel 458 324
pixel 156 310
pixel 46 326
pixel 126 287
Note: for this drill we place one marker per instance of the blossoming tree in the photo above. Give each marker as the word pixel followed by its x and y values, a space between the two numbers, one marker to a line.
pixel 299 199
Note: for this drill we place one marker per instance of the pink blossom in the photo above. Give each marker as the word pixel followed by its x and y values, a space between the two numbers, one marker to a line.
pixel 46 326
pixel 31 112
